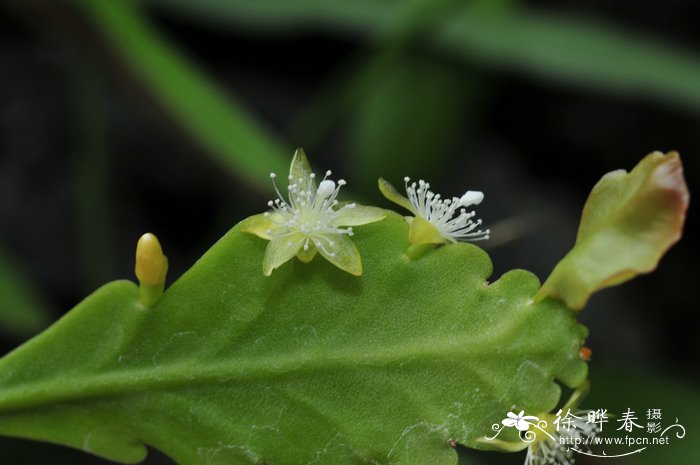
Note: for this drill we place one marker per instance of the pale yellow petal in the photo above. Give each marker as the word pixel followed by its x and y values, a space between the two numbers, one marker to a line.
pixel 392 194
pixel 280 249
pixel 424 232
pixel 300 170
pixel 359 215
pixel 259 225
pixel 340 251
pixel 307 255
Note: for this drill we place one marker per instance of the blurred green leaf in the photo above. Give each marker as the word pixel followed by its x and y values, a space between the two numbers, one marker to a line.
pixel 308 365
pixel 22 313
pixel 211 116
pixel 409 121
pixel 346 90
pixel 574 50
pixel 628 223
pixel 577 51
pixel 283 15
pixel 401 106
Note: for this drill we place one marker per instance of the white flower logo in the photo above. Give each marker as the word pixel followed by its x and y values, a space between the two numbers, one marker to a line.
pixel 546 441
pixel 520 421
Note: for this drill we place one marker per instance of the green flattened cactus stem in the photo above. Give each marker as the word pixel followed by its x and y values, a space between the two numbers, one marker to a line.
pixel 151 268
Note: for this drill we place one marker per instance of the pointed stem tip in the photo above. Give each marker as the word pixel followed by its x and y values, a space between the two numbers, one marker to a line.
pixel 151 269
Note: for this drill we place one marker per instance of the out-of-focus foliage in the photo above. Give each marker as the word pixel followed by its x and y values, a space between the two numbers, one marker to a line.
pixel 22 313
pixel 389 123
pixel 411 113
pixel 629 222
pixel 569 50
pixel 212 117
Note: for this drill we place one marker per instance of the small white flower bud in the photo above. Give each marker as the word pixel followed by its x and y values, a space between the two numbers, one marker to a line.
pixel 471 198
pixel 326 189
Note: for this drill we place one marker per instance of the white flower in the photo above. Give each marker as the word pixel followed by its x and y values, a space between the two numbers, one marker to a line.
pixel 555 446
pixel 437 220
pixel 310 215
pixel 310 219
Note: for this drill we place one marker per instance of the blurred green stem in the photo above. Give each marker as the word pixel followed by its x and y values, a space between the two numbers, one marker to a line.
pixel 92 178
pixel 210 116
pixel 22 310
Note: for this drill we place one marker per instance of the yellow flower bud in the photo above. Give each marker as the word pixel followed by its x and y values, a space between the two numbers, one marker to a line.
pixel 151 268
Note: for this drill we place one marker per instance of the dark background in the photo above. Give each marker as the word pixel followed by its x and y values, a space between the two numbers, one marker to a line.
pixel 91 156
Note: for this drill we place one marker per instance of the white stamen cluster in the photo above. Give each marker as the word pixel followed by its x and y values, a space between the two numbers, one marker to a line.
pixel 557 451
pixel 310 210
pixel 449 216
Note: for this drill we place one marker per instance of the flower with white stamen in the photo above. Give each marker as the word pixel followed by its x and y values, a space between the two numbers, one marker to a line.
pixel 310 219
pixel 438 220
pixel 310 215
